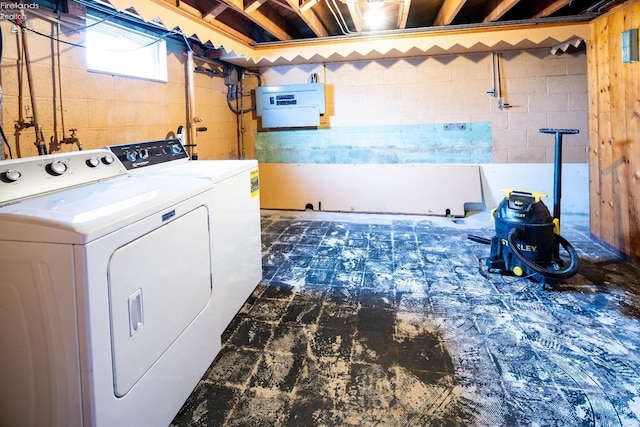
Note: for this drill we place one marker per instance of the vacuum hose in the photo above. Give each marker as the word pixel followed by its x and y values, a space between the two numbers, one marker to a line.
pixel 557 274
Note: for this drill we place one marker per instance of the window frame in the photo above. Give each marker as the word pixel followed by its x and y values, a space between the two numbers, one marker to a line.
pixel 153 46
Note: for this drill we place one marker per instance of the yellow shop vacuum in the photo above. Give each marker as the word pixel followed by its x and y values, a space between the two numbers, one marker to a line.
pixel 528 241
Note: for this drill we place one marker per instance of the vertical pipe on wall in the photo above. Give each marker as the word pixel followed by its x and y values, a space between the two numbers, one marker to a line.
pixel 242 154
pixel 494 90
pixel 238 128
pixel 59 66
pixel 20 123
pixel 191 129
pixel 42 148
pixel 20 72
pixel 501 104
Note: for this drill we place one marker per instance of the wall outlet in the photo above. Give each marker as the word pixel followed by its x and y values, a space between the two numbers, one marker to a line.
pixel 455 126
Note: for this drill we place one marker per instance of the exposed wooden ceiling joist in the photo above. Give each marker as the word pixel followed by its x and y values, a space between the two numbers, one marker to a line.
pixel 266 21
pixel 552 8
pixel 269 21
pixel 354 12
pixel 404 14
pixel 500 9
pixel 214 12
pixel 243 25
pixel 309 18
pixel 254 5
pixel 448 12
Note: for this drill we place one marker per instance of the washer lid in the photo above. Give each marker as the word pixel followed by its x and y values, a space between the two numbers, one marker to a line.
pixel 217 170
pixel 82 214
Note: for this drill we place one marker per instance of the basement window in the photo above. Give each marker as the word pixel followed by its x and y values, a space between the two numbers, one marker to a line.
pixel 115 49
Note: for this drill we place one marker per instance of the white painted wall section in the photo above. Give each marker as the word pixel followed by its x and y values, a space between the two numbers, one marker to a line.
pixel 537 177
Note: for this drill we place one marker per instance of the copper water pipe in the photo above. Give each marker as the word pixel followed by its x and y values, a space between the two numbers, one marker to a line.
pixel 20 124
pixel 42 148
pixel 191 125
pixel 59 66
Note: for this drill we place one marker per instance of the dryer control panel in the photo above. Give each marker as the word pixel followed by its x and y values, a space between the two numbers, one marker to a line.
pixel 139 155
pixel 32 176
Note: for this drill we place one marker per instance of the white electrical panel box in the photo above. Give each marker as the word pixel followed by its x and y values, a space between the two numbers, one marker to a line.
pixel 289 106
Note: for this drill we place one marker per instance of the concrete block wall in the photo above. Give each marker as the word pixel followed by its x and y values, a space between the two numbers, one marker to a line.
pixel 106 109
pixel 543 91
pixel 412 95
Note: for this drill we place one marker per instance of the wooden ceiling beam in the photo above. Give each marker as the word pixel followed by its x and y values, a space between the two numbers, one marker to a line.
pixel 552 8
pixel 214 11
pixel 448 12
pixel 403 14
pixel 254 6
pixel 501 8
pixel 234 4
pixel 309 18
pixel 356 15
pixel 188 8
pixel 268 20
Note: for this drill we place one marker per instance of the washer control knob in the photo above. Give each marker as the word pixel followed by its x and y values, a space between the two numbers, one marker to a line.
pixel 143 153
pixel 108 159
pixel 58 167
pixel 175 149
pixel 131 156
pixel 93 162
pixel 13 175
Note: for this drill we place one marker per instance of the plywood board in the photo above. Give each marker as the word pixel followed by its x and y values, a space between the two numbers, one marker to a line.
pixel 614 161
pixel 376 188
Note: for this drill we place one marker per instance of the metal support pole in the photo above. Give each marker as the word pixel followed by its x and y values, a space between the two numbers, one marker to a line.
pixel 557 177
pixel 557 166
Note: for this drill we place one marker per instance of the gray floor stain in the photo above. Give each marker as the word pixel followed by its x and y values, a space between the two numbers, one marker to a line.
pixel 381 320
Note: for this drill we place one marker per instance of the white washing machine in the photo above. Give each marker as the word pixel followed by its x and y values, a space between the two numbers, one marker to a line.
pixel 235 217
pixel 107 314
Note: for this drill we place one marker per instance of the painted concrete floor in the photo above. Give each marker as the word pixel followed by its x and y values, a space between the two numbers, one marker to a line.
pixel 382 320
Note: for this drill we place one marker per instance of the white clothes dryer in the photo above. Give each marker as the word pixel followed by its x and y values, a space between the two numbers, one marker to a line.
pixel 235 216
pixel 107 314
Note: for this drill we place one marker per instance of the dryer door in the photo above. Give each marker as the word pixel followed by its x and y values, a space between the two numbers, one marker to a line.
pixel 158 284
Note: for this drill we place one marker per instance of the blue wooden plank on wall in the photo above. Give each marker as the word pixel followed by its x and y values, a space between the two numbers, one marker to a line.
pixel 431 143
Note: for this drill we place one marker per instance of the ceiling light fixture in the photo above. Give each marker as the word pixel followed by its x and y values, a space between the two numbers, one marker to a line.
pixel 375 17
